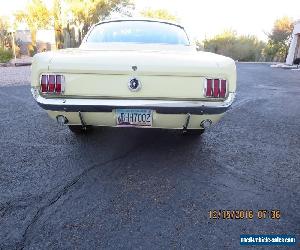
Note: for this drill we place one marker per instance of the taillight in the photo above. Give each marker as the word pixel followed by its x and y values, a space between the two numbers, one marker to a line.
pixel 223 88
pixel 216 88
pixel 52 84
pixel 209 87
pixel 58 84
pixel 44 84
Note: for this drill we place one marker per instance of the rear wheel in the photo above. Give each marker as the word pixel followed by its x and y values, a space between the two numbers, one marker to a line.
pixel 78 129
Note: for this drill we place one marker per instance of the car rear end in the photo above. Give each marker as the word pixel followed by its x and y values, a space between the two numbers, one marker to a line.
pixel 162 102
pixel 147 86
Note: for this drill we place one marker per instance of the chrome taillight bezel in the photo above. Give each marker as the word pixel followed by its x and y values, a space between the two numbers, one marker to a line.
pixel 220 81
pixel 54 93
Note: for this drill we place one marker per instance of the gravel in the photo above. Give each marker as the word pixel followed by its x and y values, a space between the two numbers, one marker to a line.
pixel 12 76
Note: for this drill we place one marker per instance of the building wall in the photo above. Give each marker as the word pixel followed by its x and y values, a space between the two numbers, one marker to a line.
pixel 298 47
pixel 294 50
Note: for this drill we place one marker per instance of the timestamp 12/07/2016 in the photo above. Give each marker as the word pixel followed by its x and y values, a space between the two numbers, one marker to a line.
pixel 274 214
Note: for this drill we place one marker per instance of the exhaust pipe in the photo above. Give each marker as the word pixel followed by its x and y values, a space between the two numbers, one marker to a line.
pixel 206 123
pixel 61 120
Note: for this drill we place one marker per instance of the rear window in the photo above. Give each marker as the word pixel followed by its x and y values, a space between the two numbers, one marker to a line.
pixel 138 32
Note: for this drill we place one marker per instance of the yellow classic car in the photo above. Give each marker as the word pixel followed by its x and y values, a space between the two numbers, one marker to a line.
pixel 141 73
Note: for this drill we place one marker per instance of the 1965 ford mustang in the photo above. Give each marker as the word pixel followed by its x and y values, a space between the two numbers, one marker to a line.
pixel 137 72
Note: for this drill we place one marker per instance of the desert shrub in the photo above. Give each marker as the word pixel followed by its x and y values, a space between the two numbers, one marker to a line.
pixel 241 48
pixel 5 55
pixel 18 51
pixel 31 50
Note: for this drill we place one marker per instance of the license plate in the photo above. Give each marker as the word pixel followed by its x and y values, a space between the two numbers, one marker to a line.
pixel 134 117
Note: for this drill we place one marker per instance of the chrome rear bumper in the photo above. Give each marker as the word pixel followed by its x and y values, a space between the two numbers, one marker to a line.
pixel 160 106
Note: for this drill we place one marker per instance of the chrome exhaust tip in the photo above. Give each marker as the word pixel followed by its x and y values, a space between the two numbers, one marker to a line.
pixel 61 120
pixel 206 123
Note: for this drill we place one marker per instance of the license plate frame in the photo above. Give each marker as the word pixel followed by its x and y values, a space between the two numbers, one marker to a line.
pixel 134 117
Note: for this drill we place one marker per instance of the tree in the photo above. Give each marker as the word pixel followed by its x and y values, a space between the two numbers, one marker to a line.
pixel 279 39
pixel 159 14
pixel 56 10
pixel 37 16
pixel 88 12
pixel 4 37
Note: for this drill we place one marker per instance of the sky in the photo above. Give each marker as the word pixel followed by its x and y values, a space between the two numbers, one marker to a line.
pixel 204 19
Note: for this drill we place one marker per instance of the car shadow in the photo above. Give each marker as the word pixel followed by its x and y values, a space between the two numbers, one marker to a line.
pixel 133 150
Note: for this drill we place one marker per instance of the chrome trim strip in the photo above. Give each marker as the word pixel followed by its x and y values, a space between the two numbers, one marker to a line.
pixel 160 106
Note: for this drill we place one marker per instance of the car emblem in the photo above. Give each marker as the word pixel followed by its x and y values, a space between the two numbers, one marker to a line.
pixel 134 84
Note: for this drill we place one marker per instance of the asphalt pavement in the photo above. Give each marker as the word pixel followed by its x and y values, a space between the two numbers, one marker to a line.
pixel 152 189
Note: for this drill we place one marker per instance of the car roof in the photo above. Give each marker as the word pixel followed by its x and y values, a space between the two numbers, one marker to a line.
pixel 141 19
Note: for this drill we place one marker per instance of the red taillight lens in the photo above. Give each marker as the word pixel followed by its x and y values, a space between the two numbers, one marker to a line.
pixel 44 83
pixel 223 88
pixel 209 87
pixel 58 84
pixel 216 87
pixel 51 83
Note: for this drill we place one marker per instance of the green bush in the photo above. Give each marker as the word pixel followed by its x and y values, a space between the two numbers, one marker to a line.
pixel 5 55
pixel 241 48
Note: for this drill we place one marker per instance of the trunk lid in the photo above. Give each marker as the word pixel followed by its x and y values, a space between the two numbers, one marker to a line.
pixel 163 73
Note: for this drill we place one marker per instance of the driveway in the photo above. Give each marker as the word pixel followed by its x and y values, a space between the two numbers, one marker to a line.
pixel 151 189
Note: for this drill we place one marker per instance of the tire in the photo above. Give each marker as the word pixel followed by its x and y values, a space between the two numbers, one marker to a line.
pixel 297 61
pixel 77 129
